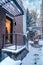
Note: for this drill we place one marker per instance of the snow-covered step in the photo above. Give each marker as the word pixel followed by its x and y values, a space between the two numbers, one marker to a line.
pixel 18 54
pixel 9 61
pixel 12 49
pixel 40 42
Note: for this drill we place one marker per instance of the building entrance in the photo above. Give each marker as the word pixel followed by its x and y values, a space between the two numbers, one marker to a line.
pixel 9 29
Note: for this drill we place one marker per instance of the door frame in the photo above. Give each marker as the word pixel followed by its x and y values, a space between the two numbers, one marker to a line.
pixel 11 30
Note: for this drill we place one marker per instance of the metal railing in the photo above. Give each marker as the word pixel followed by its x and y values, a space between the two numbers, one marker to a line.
pixel 16 39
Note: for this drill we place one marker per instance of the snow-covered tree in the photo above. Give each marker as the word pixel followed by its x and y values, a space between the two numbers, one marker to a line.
pixel 28 19
pixel 31 22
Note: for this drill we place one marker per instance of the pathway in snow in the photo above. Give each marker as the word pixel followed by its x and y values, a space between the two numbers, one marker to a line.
pixel 34 57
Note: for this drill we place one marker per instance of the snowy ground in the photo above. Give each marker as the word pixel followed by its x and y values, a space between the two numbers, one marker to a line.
pixel 34 57
pixel 9 61
pixel 41 42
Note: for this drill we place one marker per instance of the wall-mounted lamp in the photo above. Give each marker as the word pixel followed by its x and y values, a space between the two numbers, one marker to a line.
pixel 15 23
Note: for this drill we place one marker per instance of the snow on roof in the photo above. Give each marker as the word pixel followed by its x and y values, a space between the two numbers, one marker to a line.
pixel 12 50
pixel 9 61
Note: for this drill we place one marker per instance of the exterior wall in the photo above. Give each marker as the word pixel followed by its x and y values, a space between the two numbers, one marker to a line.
pixel 18 28
pixel 2 25
pixel 19 24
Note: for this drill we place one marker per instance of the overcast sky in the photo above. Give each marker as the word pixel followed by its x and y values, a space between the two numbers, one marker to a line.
pixel 33 4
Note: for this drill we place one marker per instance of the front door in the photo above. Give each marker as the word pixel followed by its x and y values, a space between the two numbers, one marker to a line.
pixel 9 29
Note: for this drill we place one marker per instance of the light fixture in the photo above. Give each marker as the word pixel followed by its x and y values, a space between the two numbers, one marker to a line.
pixel 14 23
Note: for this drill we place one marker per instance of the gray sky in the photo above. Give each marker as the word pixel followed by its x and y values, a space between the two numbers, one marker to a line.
pixel 33 4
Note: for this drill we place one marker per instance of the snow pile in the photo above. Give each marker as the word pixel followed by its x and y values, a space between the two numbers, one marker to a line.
pixel 31 42
pixel 40 42
pixel 9 61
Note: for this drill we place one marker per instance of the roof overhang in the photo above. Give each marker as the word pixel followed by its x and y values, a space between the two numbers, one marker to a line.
pixel 12 7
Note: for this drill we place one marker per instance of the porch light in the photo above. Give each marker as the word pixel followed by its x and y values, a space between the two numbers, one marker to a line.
pixel 15 23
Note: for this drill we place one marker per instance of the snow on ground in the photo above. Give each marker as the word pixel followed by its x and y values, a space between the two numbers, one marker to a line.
pixel 31 42
pixel 35 55
pixel 9 61
pixel 40 42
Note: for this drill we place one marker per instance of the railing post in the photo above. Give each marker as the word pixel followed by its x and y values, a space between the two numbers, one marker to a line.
pixel 0 55
pixel 15 41
pixel 24 39
pixel 3 41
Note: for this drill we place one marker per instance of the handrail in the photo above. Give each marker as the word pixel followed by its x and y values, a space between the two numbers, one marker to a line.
pixel 18 38
pixel 15 33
